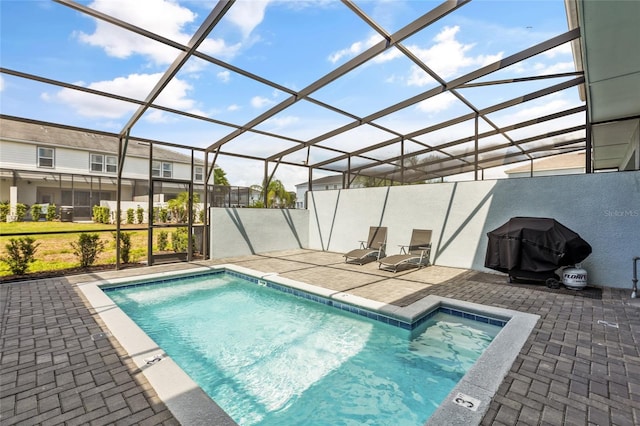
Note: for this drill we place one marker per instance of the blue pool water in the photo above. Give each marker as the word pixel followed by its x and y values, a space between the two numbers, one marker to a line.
pixel 271 358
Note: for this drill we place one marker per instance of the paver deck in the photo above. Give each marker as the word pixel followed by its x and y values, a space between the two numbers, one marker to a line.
pixel 580 366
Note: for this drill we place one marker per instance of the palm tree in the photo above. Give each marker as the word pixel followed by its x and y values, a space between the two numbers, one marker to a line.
pixel 277 195
pixel 179 206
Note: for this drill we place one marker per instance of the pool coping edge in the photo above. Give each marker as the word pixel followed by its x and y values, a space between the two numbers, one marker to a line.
pixel 191 405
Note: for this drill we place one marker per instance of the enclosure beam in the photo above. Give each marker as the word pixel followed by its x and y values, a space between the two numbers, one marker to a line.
pixel 200 35
pixel 150 194
pixel 122 153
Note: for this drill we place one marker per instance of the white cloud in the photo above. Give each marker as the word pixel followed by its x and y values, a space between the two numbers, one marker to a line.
pixel 355 49
pixel 447 57
pixel 350 51
pixel 233 107
pixel 217 47
pixel 224 76
pixel 163 17
pixel 247 15
pixel 544 107
pixel 437 103
pixel 563 49
pixel 260 102
pixel 558 67
pixel 136 86
pixel 280 122
pixel 156 116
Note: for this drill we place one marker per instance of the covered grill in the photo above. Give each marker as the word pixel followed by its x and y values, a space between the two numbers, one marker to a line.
pixel 534 248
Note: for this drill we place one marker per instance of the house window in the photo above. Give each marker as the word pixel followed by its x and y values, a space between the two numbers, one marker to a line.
pixel 45 157
pixel 161 169
pixel 198 174
pixel 111 165
pixel 97 161
pixel 103 163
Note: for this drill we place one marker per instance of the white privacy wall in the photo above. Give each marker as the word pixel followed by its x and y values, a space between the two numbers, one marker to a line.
pixel 240 232
pixel 603 208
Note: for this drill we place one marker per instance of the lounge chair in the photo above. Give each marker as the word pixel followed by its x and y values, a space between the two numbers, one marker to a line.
pixel 372 249
pixel 416 253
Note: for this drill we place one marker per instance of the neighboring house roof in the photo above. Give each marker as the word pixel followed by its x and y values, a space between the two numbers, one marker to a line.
pixel 556 162
pixel 22 131
pixel 334 179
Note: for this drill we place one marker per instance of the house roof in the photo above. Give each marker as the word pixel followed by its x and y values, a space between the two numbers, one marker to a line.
pixel 558 162
pixel 24 131
pixel 324 180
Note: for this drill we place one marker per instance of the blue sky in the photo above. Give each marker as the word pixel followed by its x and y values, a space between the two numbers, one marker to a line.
pixel 292 43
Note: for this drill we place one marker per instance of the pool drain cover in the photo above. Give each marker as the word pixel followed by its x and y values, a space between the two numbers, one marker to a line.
pixel 100 336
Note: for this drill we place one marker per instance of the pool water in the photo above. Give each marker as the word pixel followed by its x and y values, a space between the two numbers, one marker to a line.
pixel 271 358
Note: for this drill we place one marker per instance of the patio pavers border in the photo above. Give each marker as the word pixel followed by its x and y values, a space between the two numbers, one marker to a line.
pixel 573 369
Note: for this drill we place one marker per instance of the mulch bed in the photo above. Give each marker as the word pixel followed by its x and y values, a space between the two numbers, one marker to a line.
pixel 65 272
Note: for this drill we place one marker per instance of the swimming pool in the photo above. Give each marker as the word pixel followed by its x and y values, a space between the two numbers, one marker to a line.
pixel 270 357
pixel 465 404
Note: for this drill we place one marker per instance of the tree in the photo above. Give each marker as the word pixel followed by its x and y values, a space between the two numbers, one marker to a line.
pixel 179 206
pixel 220 177
pixel 277 195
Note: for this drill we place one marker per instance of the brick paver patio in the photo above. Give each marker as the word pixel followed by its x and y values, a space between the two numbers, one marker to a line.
pixel 580 366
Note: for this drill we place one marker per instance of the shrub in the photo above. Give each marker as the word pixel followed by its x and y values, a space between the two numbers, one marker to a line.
pixel 130 215
pixel 140 214
pixel 180 240
pixel 20 253
pixel 21 212
pixel 51 212
pixel 4 211
pixel 163 240
pixel 125 246
pixel 164 215
pixel 201 216
pixel 36 209
pixel 101 214
pixel 87 248
pixel 96 213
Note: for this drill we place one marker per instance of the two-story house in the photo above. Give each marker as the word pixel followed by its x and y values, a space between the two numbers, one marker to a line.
pixel 68 167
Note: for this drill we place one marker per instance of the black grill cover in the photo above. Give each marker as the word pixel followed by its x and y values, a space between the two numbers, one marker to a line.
pixel 534 244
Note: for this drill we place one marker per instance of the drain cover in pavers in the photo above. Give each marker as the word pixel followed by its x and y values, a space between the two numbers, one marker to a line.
pixel 100 336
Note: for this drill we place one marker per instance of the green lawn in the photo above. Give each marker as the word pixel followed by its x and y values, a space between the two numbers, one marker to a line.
pixel 55 252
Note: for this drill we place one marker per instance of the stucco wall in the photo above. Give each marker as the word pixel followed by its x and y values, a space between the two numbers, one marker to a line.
pixel 603 208
pixel 237 231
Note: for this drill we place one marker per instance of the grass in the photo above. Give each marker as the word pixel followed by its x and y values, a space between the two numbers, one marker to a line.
pixel 55 251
